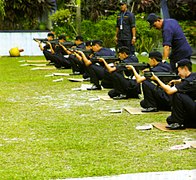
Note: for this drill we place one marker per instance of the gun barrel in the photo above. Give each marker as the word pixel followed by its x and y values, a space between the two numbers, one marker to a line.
pixel 163 76
pixel 108 59
pixel 138 66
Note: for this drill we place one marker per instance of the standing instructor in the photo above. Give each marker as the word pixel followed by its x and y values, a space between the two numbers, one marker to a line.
pixel 175 44
pixel 125 28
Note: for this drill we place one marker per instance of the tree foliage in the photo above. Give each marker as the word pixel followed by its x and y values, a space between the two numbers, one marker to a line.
pixel 23 14
pixel 2 10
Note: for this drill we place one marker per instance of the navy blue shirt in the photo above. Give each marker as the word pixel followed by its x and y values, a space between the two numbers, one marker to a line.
pixel 104 52
pixel 161 67
pixel 127 19
pixel 173 36
pixel 81 46
pixel 187 87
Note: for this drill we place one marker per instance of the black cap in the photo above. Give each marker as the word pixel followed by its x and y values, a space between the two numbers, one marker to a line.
pixel 79 38
pixel 156 54
pixel 88 43
pixel 183 62
pixel 124 49
pixel 152 18
pixel 50 34
pixel 123 2
pixel 62 37
pixel 99 42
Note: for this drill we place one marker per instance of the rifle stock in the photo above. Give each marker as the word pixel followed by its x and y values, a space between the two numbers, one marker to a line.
pixel 67 44
pixel 163 76
pixel 137 66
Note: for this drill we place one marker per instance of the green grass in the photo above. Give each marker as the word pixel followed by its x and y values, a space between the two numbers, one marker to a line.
pixel 49 131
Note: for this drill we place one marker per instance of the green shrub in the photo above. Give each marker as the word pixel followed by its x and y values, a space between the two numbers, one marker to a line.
pixel 103 29
pixel 63 23
pixel 189 30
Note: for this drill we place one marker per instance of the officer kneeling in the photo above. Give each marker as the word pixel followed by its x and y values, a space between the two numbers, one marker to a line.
pixel 183 97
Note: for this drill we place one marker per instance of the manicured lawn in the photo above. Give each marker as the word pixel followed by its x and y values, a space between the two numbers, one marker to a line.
pixel 49 131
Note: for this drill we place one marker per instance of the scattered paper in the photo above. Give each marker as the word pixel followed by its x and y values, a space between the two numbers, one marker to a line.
pixel 145 127
pixel 116 111
pixel 180 147
pixel 60 74
pixel 43 68
pixel 49 75
pixel 94 99
pixel 58 80
pixel 38 65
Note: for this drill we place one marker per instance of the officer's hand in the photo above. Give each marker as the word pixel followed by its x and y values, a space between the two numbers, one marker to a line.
pixel 129 67
pixel 154 77
pixel 101 60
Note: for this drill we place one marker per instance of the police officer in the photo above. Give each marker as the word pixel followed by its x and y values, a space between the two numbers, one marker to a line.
pixel 49 48
pixel 73 58
pixel 125 28
pixel 183 97
pixel 96 71
pixel 154 97
pixel 173 38
pixel 59 59
pixel 123 87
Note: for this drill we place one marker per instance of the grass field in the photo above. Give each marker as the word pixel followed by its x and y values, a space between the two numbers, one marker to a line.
pixel 49 131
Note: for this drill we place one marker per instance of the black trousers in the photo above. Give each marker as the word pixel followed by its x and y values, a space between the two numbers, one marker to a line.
pixel 125 86
pixel 47 55
pixel 60 61
pixel 183 110
pixel 76 64
pixel 155 97
pixel 98 73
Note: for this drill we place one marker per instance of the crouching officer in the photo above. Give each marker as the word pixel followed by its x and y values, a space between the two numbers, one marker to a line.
pixel 183 97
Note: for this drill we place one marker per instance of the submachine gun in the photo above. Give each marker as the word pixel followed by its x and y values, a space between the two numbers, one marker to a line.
pixel 108 59
pixel 137 66
pixel 67 44
pixel 165 77
pixel 86 52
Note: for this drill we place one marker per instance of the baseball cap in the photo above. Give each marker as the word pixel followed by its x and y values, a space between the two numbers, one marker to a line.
pixel 156 54
pixel 152 17
pixel 123 2
pixel 183 62
pixel 124 49
pixel 99 42
pixel 79 38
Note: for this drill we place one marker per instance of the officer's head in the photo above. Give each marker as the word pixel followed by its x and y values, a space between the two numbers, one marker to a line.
pixel 123 52
pixel 79 40
pixel 155 57
pixel 62 38
pixel 50 36
pixel 184 67
pixel 88 45
pixel 96 45
pixel 123 5
pixel 154 21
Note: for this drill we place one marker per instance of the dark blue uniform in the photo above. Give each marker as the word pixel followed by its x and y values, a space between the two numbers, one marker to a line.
pixel 122 85
pixel 183 103
pixel 154 96
pixel 47 53
pixel 173 36
pixel 59 60
pixel 125 23
pixel 97 71
pixel 77 65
